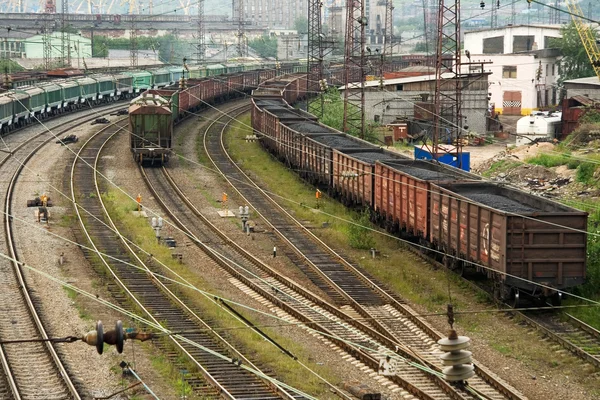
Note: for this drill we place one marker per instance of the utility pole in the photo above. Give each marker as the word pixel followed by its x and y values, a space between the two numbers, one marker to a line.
pixel 388 44
pixel 49 10
pixel 447 118
pixel 354 68
pixel 201 33
pixel 314 69
pixel 65 43
pixel 494 14
pixel 133 50
pixel 241 34
pixel 513 13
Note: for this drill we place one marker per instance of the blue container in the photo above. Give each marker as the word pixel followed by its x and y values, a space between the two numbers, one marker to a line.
pixel 446 155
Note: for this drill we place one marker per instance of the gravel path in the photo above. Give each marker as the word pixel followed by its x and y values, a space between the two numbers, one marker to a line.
pixel 41 246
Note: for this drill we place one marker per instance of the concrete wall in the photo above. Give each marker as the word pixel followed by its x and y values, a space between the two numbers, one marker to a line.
pixel 474 39
pixel 34 46
pixel 526 81
pixel 388 105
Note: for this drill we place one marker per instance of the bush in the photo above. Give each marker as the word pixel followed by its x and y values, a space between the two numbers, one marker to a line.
pixel 359 236
pixel 585 173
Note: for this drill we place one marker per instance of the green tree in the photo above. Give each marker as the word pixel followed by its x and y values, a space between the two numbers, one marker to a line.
pixel 265 46
pixel 333 115
pixel 575 62
pixel 9 66
pixel 301 24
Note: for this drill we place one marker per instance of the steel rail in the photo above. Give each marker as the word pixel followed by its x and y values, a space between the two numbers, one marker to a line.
pixel 482 372
pixel 399 348
pixel 214 382
pixel 37 320
pixel 359 353
pixel 106 263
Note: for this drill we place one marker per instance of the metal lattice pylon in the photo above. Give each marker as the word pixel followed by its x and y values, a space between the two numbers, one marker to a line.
pixel 314 67
pixel 388 43
pixel 65 36
pixel 133 45
pixel 448 116
pixel 47 33
pixel 354 68
pixel 494 14
pixel 588 38
pixel 241 34
pixel 201 33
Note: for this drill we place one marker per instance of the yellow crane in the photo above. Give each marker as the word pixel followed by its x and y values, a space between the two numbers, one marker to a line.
pixel 588 38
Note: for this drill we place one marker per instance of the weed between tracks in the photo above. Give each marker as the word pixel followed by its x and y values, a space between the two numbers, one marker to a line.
pixel 413 278
pixel 268 357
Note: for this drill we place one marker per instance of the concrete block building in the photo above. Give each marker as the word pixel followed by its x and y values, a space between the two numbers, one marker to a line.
pixel 524 68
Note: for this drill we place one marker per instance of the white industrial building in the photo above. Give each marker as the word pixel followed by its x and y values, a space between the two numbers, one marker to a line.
pixel 411 99
pixel 524 68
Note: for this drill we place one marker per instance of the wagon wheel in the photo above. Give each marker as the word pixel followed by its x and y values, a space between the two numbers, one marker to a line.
pixel 515 298
pixel 556 299
pixel 458 267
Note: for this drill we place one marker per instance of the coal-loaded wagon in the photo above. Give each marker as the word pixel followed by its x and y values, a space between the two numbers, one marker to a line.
pixel 150 129
pixel 525 243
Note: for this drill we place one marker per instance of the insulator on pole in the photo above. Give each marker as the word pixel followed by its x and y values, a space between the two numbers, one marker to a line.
pixel 456 359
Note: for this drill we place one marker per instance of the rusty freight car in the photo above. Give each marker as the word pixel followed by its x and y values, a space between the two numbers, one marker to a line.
pixel 402 193
pixel 525 243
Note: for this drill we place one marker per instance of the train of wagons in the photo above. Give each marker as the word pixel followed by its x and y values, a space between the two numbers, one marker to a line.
pixel 153 114
pixel 34 100
pixel 524 243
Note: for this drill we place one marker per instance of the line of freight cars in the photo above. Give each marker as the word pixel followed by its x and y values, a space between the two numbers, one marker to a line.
pixel 24 104
pixel 520 241
pixel 153 114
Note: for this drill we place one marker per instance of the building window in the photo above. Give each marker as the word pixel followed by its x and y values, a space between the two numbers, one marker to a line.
pixel 399 87
pixel 509 71
pixel 547 66
pixel 552 69
pixel 493 45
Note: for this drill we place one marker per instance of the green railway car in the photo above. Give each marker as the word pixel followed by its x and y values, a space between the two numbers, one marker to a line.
pixel 215 69
pixel 37 99
pixel 70 92
pixel 151 129
pixel 177 73
pixel 20 106
pixel 198 71
pixel 302 68
pixel 106 87
pixel 6 112
pixel 231 68
pixel 161 78
pixel 124 85
pixel 142 80
pixel 54 97
pixel 88 88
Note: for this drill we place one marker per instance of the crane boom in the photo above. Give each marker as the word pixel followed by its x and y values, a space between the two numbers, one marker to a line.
pixel 588 38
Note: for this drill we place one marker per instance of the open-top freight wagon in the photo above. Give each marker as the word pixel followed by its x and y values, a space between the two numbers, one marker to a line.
pixel 524 243
pixel 518 239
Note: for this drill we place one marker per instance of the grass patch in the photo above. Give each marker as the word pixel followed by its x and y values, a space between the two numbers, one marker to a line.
pixel 413 278
pixel 500 166
pixel 140 231
pixel 552 160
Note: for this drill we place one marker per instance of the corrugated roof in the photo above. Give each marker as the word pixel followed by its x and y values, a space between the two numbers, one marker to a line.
pixel 584 100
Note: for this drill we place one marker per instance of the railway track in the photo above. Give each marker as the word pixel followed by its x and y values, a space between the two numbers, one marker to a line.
pixel 369 345
pixel 32 370
pixel 218 376
pixel 569 332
